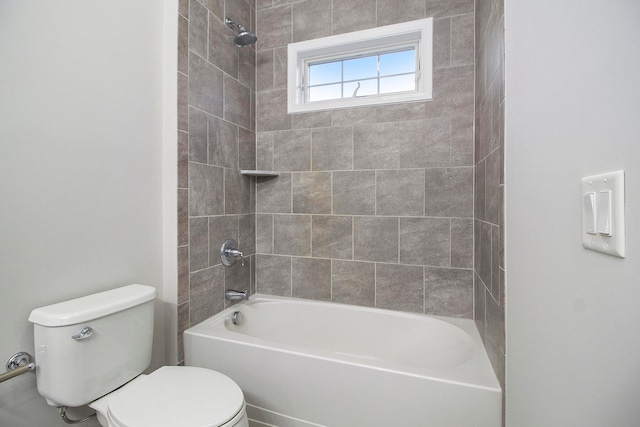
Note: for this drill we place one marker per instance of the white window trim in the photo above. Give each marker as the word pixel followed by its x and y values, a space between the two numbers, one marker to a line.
pixel 420 32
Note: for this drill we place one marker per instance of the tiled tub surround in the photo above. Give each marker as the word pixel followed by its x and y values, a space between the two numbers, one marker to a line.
pixel 216 135
pixel 489 175
pixel 374 205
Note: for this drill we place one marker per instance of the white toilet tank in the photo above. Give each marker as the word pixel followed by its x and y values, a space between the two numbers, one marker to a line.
pixel 73 368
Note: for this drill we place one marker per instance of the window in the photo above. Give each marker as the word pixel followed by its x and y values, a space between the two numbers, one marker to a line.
pixel 383 65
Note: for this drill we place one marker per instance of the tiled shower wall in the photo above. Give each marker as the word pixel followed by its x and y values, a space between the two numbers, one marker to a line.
pixel 489 204
pixel 216 138
pixel 374 205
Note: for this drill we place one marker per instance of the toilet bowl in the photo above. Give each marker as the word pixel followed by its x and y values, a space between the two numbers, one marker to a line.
pixel 93 350
pixel 174 396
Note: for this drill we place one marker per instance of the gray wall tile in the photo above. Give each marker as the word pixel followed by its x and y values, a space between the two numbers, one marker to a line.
pixel 312 120
pixel 332 237
pixel 442 42
pixel 354 193
pixel 440 8
pixel 273 275
pixel 332 148
pixel 372 148
pixel 197 135
pixel 280 68
pixel 198 27
pixel 353 282
pixel 247 67
pixel 207 288
pixel 389 12
pixel 183 102
pixel 461 243
pixel 425 143
pixel 183 44
pixel 198 244
pixel 264 70
pixel 425 241
pixel 479 194
pixel 449 192
pixel 206 191
pixel 222 51
pixel 183 159
pixel 462 39
pixel 400 287
pixel 274 27
pixel 274 194
pixel 264 151
pixel 205 86
pixel 448 292
pixel 223 143
pixel 215 6
pixel 246 149
pixel 292 235
pixel 400 192
pixel 247 233
pixel 264 233
pixel 183 217
pixel 311 19
pixel 292 150
pixel 237 192
pixel 398 144
pixel 462 141
pixel 353 15
pixel 237 108
pixel 492 187
pixel 312 192
pixel 216 84
pixel 375 239
pixel 183 274
pixel 271 111
pixel 311 278
pixel 263 4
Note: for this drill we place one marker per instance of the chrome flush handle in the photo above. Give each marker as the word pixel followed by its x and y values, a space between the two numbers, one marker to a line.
pixel 84 333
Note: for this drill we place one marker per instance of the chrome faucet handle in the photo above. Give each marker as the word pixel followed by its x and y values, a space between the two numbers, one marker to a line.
pixel 236 254
pixel 229 253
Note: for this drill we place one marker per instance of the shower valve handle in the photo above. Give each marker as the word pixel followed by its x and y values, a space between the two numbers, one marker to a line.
pixel 229 253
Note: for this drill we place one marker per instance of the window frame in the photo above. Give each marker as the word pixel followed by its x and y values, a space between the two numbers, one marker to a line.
pixel 417 33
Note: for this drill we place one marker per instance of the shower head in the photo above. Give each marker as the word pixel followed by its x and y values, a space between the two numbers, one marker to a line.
pixel 243 37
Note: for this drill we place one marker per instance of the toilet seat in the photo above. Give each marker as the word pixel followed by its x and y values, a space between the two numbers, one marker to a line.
pixel 172 396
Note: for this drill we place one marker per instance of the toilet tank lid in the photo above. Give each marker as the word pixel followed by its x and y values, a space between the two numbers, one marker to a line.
pixel 93 306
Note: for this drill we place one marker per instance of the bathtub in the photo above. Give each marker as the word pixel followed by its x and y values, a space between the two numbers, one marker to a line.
pixel 304 363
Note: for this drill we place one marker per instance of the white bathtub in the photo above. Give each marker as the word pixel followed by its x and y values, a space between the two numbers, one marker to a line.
pixel 304 363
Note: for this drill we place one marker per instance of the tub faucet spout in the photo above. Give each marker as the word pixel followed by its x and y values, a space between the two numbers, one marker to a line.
pixel 232 295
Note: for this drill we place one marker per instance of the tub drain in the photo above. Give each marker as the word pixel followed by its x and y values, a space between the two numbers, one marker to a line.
pixel 236 317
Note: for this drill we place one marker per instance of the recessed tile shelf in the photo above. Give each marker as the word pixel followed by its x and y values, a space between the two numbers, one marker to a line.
pixel 258 173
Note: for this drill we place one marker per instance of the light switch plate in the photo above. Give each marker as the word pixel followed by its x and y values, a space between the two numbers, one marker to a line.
pixel 613 244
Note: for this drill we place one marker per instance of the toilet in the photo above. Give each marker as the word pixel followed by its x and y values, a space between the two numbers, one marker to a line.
pixel 93 350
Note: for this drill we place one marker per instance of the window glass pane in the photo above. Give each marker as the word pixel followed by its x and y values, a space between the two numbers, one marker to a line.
pixel 322 93
pixel 398 63
pixel 324 73
pixel 398 83
pixel 361 68
pixel 367 87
